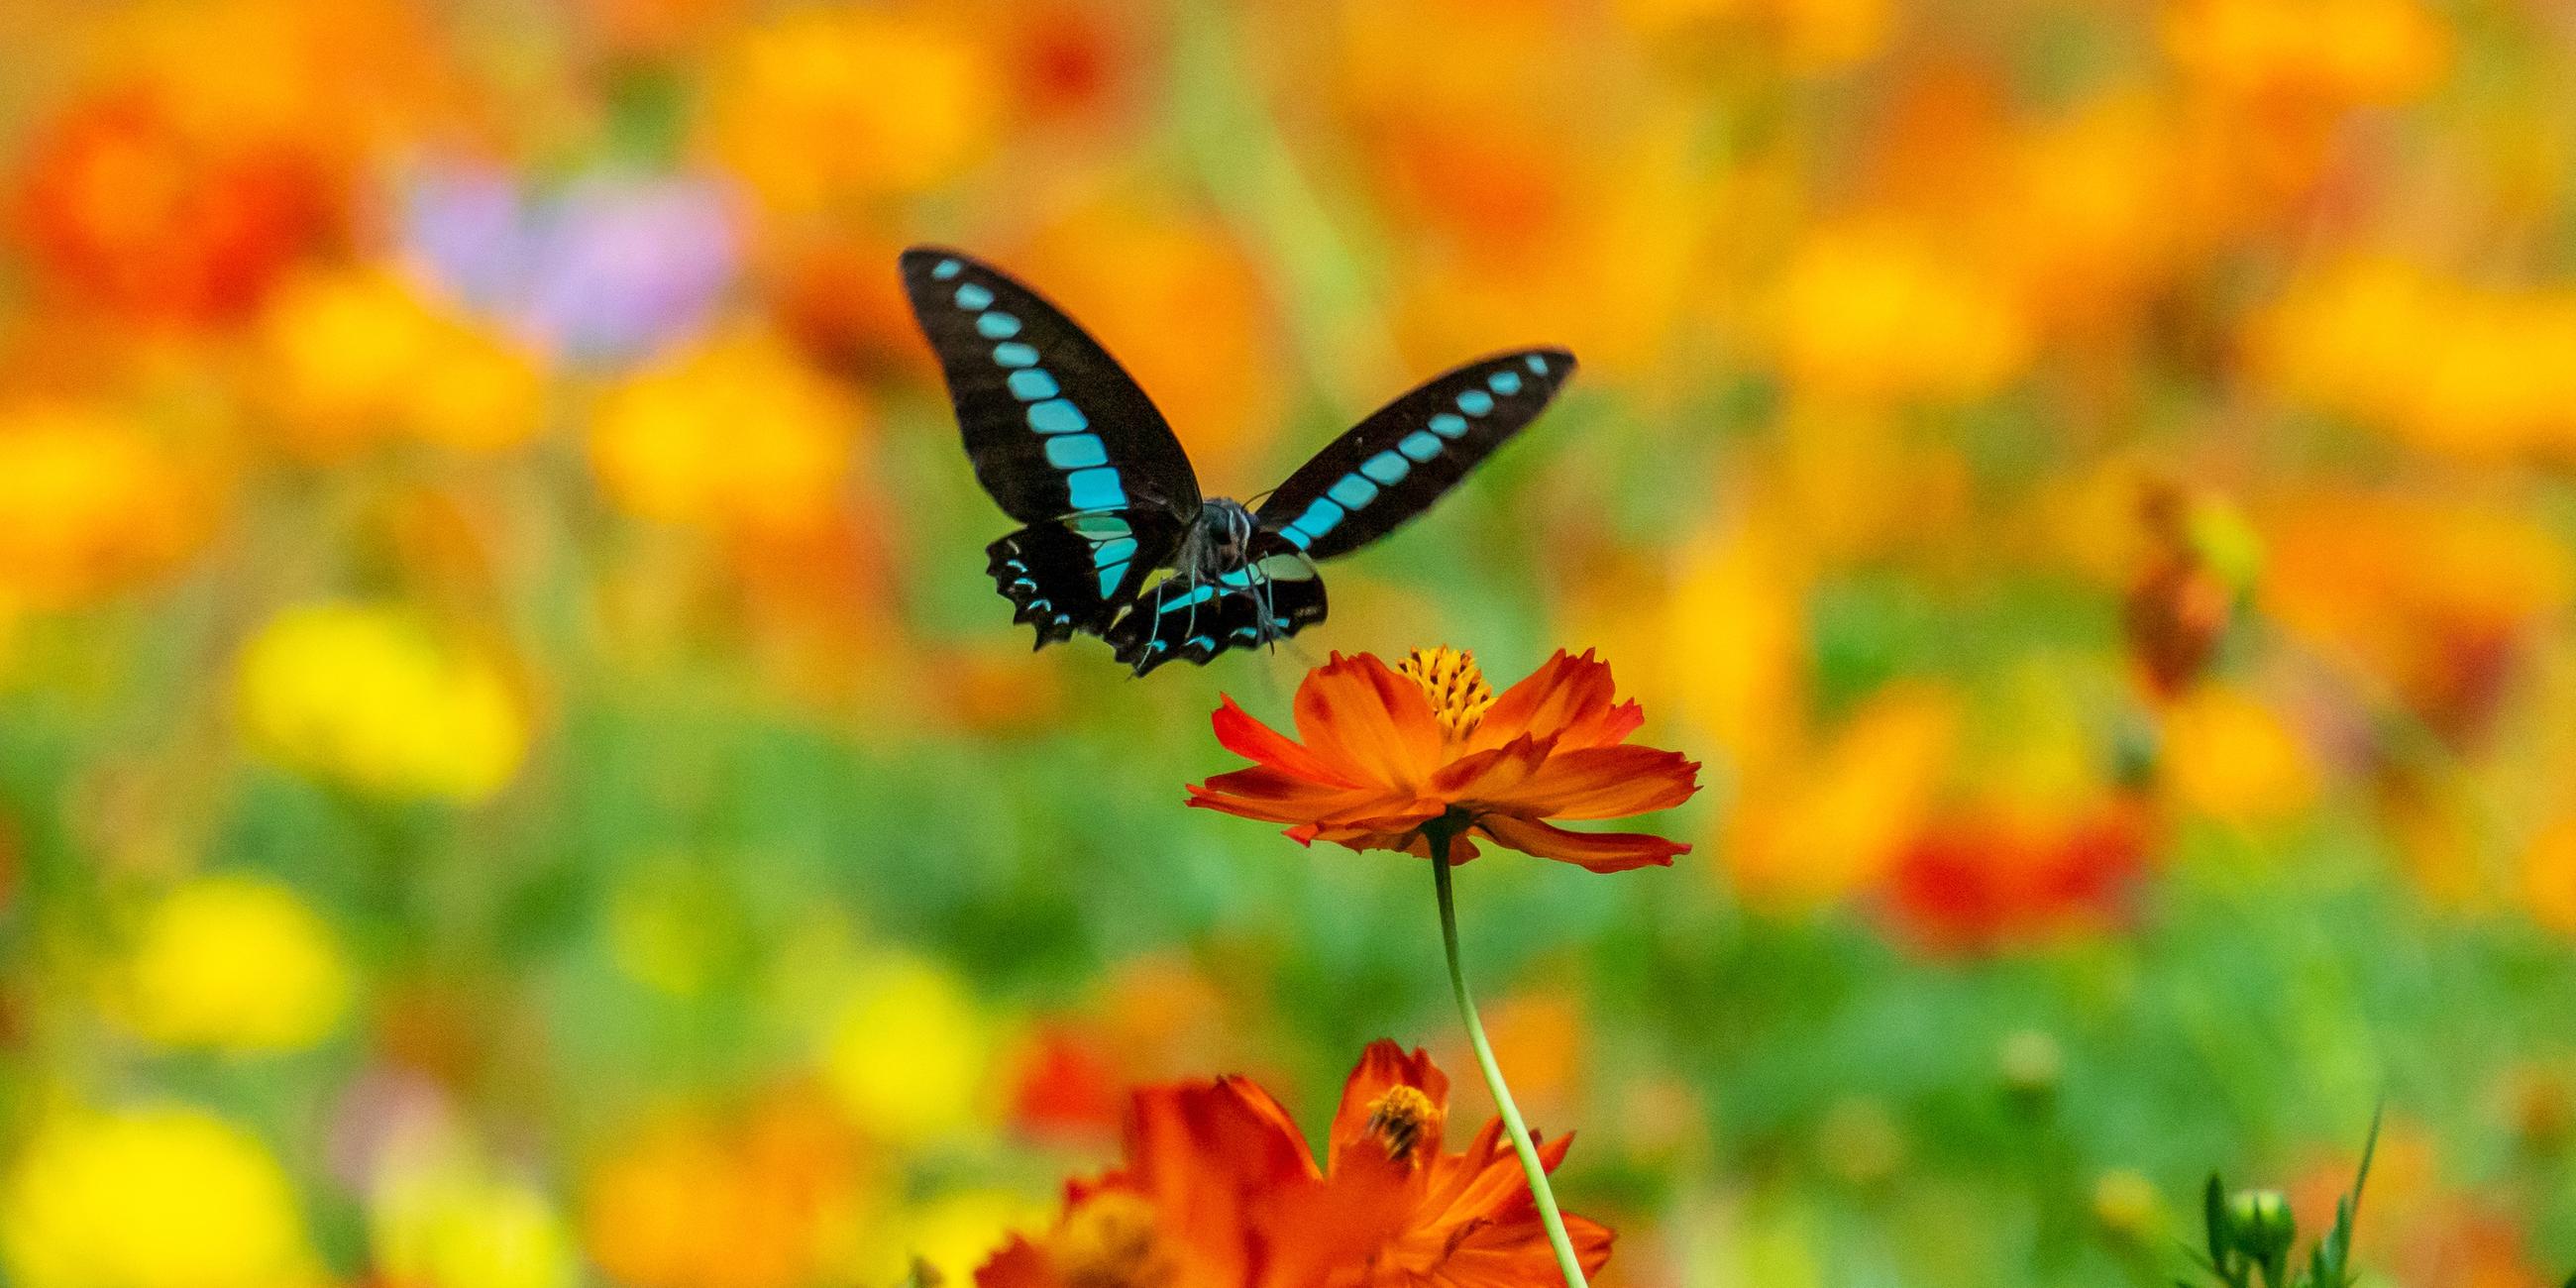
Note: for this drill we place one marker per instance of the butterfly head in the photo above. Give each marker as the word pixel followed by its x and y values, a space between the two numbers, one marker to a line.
pixel 1220 542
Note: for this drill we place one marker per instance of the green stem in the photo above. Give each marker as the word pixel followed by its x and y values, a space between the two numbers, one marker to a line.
pixel 1442 833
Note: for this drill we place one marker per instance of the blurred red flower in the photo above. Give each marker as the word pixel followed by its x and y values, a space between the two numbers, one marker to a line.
pixel 1388 750
pixel 1972 883
pixel 121 207
pixel 1218 1188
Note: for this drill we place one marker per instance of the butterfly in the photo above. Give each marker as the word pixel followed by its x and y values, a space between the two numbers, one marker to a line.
pixel 1067 443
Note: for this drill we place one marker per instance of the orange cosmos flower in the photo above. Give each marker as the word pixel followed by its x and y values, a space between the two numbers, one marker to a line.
pixel 1219 1189
pixel 1388 751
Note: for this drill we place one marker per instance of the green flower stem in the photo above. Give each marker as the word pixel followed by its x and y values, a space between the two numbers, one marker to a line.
pixel 1442 833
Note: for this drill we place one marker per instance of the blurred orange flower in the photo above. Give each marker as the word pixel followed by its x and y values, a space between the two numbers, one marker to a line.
pixel 1388 751
pixel 763 1201
pixel 95 504
pixel 1218 1187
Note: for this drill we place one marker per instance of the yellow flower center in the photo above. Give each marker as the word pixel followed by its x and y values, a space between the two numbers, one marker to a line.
pixel 1109 1242
pixel 1455 685
pixel 1401 1120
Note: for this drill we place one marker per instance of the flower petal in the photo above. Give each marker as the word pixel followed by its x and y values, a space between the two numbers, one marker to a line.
pixel 1369 723
pixel 1194 1143
pixel 1605 782
pixel 1497 775
pixel 1268 794
pixel 1599 851
pixel 1567 700
pixel 1239 733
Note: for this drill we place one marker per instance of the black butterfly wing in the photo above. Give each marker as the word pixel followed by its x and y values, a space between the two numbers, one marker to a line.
pixel 1273 597
pixel 1053 425
pixel 1394 464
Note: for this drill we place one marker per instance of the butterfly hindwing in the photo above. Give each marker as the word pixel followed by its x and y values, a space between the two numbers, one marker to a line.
pixel 1267 599
pixel 1074 574
pixel 1394 464
pixel 1053 425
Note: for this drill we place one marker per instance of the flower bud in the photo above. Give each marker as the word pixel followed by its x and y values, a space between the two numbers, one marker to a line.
pixel 2261 1227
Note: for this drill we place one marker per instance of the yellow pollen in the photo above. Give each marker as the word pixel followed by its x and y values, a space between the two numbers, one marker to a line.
pixel 1455 685
pixel 1109 1242
pixel 1402 1120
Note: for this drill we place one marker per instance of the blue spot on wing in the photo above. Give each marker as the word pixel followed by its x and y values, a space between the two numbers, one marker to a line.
pixel 1537 365
pixel 1015 354
pixel 1117 551
pixel 1449 424
pixel 1389 468
pixel 1505 383
pixel 1310 527
pixel 972 296
pixel 946 268
pixel 1095 489
pixel 1031 384
pixel 1076 451
pixel 997 325
pixel 1475 402
pixel 1352 491
pixel 1419 446
pixel 1056 416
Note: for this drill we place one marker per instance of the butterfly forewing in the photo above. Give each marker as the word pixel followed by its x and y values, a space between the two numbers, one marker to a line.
pixel 1053 425
pixel 1393 465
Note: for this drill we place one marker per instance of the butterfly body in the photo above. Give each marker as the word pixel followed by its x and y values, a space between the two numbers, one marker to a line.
pixel 1119 543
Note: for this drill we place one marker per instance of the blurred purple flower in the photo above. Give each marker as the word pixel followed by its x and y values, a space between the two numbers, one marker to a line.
pixel 607 269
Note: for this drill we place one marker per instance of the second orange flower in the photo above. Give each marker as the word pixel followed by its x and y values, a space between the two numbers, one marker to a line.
pixel 1383 753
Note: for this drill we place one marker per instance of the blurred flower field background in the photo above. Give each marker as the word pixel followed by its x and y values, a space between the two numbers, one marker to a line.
pixel 512 774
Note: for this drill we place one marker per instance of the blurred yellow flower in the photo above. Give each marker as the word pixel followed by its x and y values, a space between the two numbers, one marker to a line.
pixel 2126 1204
pixel 369 696
pixel 736 436
pixel 2440 364
pixel 2228 755
pixel 1881 310
pixel 953 1233
pixel 235 963
pixel 440 1219
pixel 822 107
pixel 354 357
pixel 911 1056
pixel 2323 52
pixel 157 1196
pixel 93 504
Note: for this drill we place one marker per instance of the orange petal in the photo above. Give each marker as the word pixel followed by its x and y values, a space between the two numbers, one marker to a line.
pixel 1599 851
pixel 1605 782
pixel 1239 733
pixel 1495 775
pixel 1369 723
pixel 1566 697
pixel 1265 793
pixel 1220 1145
